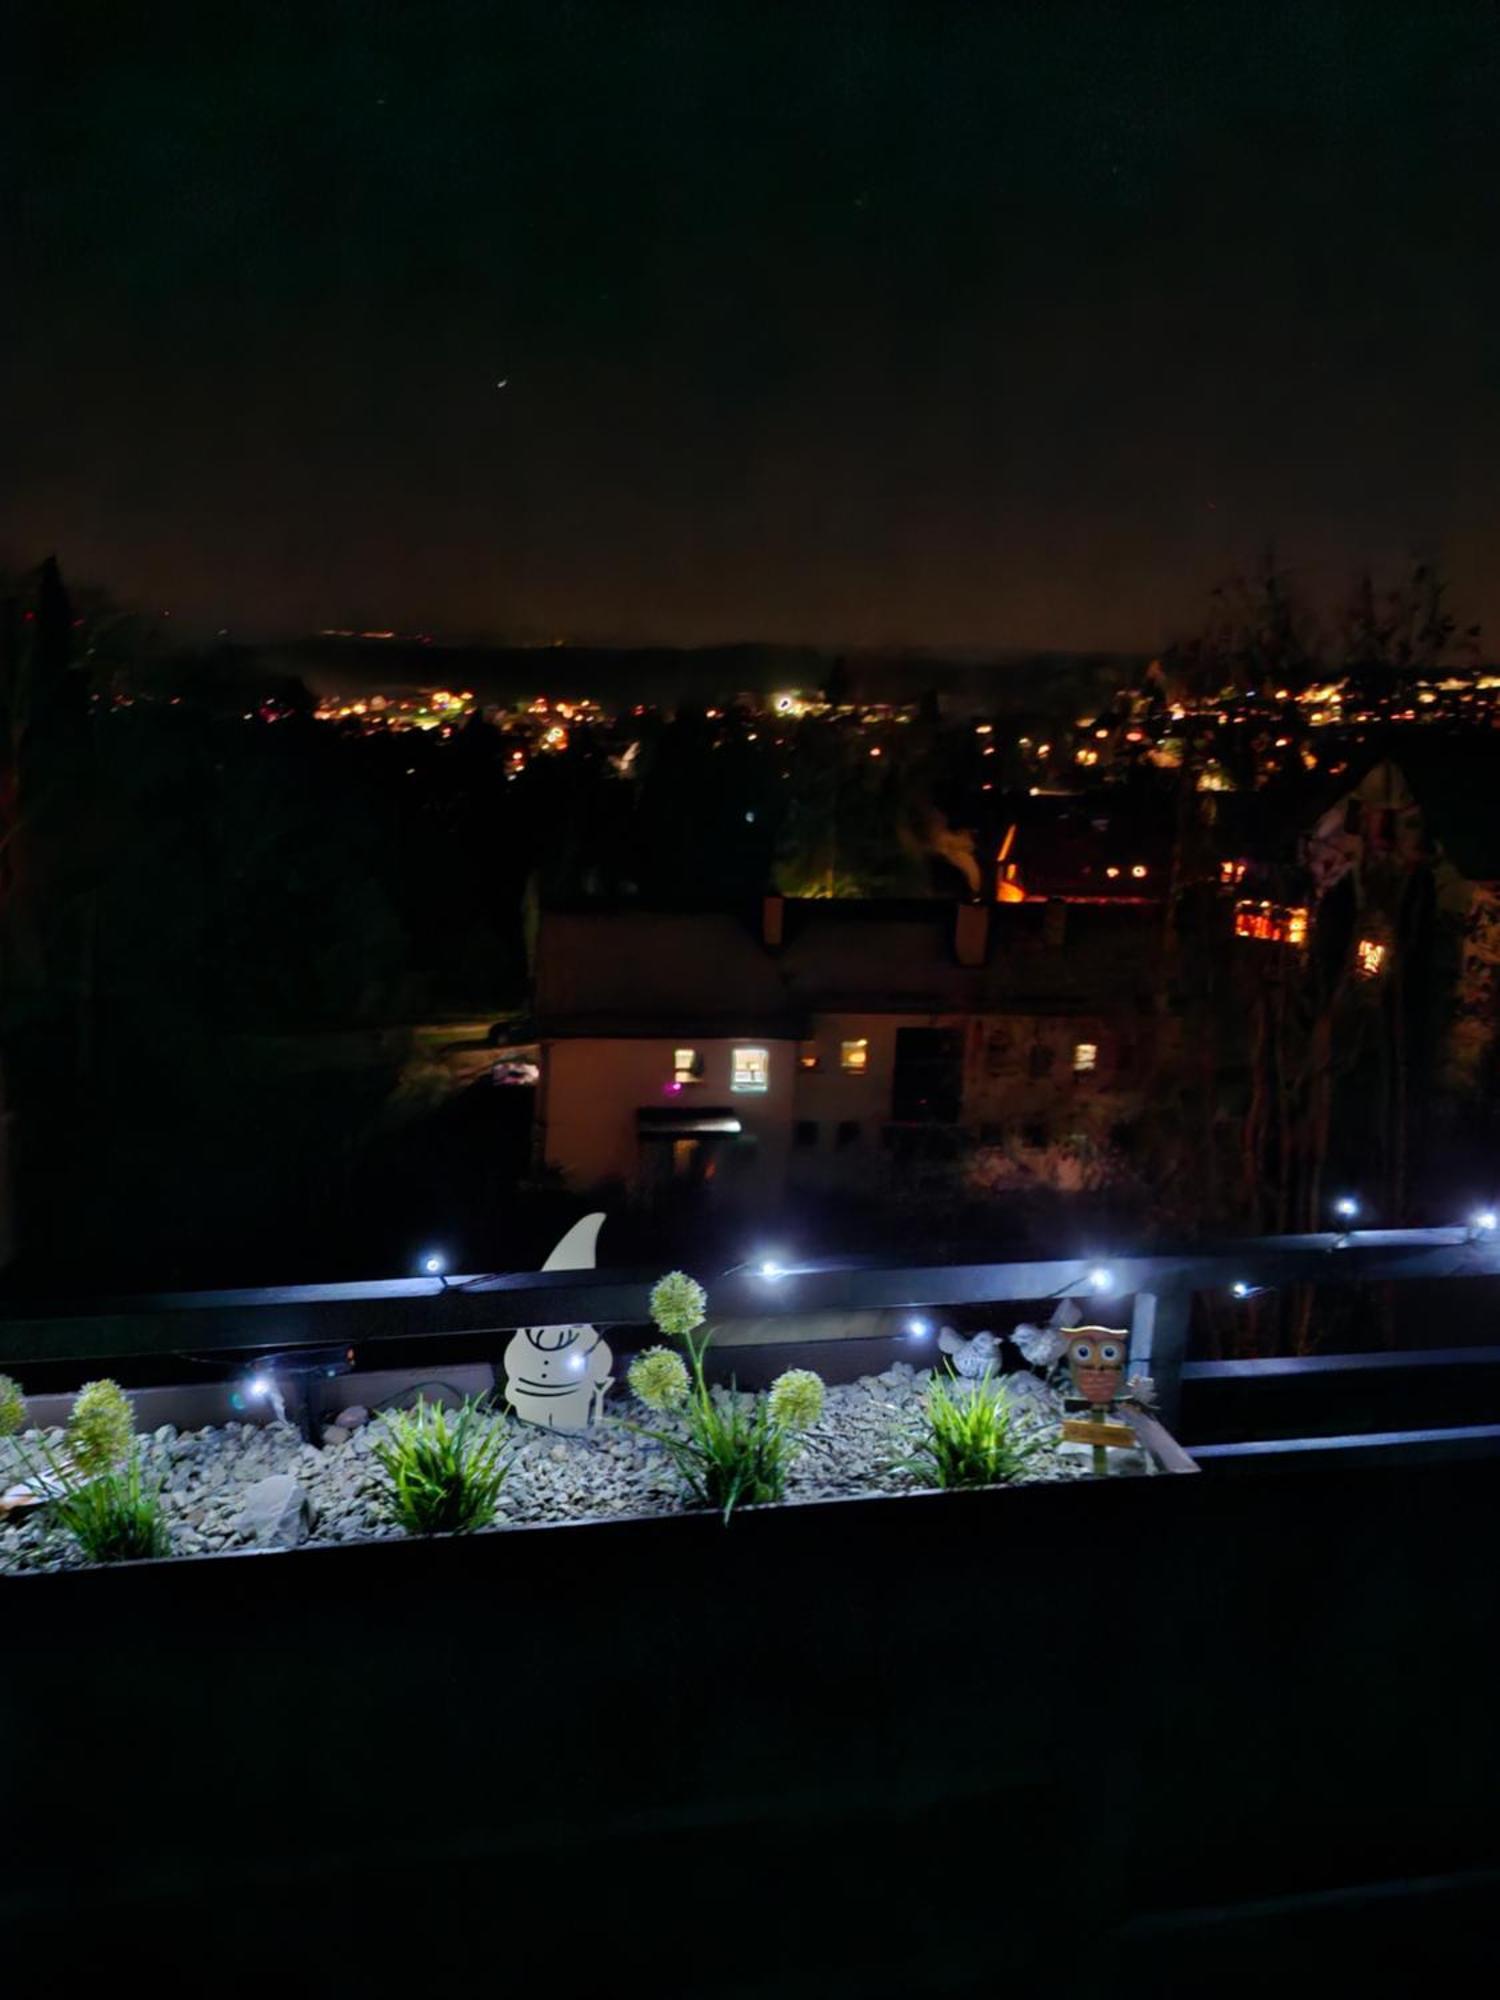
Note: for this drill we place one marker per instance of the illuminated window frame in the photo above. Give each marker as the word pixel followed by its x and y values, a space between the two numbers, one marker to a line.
pixel 1085 1058
pixel 687 1065
pixel 854 1055
pixel 750 1070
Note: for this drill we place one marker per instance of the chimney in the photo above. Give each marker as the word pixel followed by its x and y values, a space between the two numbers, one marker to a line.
pixel 971 930
pixel 772 911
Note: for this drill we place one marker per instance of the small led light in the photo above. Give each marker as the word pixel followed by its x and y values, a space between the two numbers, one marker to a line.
pixel 769 1268
pixel 1101 1280
pixel 434 1264
pixel 1485 1222
pixel 918 1328
pixel 1240 1289
pixel 1347 1207
pixel 259 1385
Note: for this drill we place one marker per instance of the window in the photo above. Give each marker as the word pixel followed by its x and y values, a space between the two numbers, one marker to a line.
pixel 1271 923
pixel 1085 1057
pixel 807 1056
pixel 1369 958
pixel 854 1057
pixel 805 1132
pixel 750 1069
pixel 848 1132
pixel 687 1066
pixel 1039 1060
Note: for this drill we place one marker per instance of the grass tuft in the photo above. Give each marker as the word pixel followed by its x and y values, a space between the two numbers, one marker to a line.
pixel 970 1436
pixel 731 1452
pixel 115 1515
pixel 443 1472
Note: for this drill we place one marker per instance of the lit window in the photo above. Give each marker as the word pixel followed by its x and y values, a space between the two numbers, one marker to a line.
pixel 855 1056
pixel 1369 958
pixel 750 1069
pixel 807 1056
pixel 1271 923
pixel 1139 871
pixel 1085 1057
pixel 687 1066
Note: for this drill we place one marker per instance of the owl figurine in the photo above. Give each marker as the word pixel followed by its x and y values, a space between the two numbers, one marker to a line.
pixel 1096 1362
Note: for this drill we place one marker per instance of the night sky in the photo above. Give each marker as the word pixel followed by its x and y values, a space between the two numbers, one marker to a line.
pixel 945 325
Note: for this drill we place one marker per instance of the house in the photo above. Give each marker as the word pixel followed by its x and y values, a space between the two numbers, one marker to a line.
pixel 793 1045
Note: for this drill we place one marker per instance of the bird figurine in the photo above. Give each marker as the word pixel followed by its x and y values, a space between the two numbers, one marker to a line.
pixel 1044 1346
pixel 972 1359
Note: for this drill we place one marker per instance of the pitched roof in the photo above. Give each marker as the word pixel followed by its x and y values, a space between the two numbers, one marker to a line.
pixel 641 972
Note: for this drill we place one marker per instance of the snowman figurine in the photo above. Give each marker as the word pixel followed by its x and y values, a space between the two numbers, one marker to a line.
pixel 557 1376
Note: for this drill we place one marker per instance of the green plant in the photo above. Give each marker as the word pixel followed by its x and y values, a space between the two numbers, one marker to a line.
pixel 659 1378
pixel 101 1428
pixel 970 1437
pixel 12 1408
pixel 730 1452
pixel 115 1515
pixel 796 1399
pixel 444 1472
pixel 678 1305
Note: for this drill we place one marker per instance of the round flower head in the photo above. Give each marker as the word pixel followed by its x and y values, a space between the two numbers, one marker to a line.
pixel 678 1304
pixel 796 1399
pixel 12 1407
pixel 101 1428
pixel 659 1378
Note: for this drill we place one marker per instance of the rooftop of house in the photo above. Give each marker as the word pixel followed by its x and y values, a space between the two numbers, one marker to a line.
pixel 652 972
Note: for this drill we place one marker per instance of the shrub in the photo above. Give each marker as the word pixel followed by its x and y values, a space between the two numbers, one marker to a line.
pixel 729 1453
pixel 444 1472
pixel 659 1378
pixel 796 1399
pixel 12 1408
pixel 101 1429
pixel 970 1437
pixel 114 1515
pixel 678 1305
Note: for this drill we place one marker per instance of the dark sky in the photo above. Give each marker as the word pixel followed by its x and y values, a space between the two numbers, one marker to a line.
pixel 956 325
